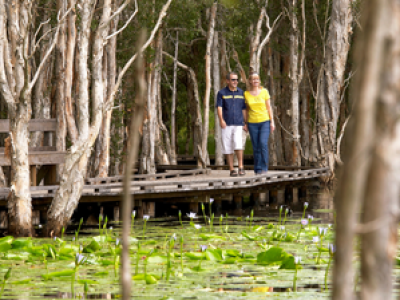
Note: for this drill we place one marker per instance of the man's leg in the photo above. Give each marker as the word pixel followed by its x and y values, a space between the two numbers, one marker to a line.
pixel 229 159
pixel 239 154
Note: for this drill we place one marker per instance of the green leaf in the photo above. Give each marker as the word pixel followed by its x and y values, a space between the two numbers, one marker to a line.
pixel 157 259
pixel 233 253
pixel 87 281
pixel 63 273
pixel 102 273
pixel 270 256
pixel 106 262
pixel 289 264
pixel 5 243
pixel 214 254
pixel 249 237
pixel 92 247
pixel 21 243
pixel 24 281
pixel 50 250
pixel 150 279
pixel 229 261
pixel 36 251
pixel 257 228
pixel 195 255
pixel 208 236
pixel 323 249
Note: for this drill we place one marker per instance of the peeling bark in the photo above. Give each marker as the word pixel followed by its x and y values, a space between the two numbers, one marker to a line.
pixel 206 101
pixel 363 145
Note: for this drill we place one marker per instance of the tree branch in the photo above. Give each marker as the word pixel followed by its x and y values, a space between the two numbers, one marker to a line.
pixel 129 63
pixel 126 24
pixel 36 76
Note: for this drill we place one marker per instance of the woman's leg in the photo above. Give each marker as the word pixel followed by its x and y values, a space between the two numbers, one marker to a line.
pixel 254 136
pixel 263 142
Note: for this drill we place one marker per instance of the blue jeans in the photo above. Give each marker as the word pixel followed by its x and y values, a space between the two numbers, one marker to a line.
pixel 259 134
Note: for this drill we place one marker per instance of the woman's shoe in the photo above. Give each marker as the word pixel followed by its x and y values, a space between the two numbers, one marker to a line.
pixel 234 173
pixel 242 172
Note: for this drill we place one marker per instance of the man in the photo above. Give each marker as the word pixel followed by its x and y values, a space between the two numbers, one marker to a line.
pixel 231 113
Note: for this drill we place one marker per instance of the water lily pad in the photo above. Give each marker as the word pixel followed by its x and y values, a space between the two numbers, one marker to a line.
pixel 21 243
pixel 101 273
pixel 270 256
pixel 214 254
pixel 64 273
pixel 195 255
pixel 92 247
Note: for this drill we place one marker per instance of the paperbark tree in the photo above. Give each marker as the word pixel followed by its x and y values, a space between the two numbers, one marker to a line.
pixel 296 75
pixel 67 196
pixel 16 84
pixel 206 101
pixel 372 145
pixel 257 45
pixel 173 103
pixel 332 80
pixel 219 157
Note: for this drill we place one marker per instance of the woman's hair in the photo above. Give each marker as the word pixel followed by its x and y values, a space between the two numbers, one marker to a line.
pixel 251 74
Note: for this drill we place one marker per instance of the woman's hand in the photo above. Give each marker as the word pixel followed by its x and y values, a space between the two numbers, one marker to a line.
pixel 272 126
pixel 245 127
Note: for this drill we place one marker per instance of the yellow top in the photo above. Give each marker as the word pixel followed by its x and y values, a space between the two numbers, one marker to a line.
pixel 257 106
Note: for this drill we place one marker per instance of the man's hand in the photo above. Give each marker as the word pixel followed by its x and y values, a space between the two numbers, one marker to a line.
pixel 222 123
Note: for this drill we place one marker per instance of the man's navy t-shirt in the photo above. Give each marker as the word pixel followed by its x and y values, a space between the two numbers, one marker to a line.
pixel 232 103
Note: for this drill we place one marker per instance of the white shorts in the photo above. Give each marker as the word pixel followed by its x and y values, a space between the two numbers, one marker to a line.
pixel 231 139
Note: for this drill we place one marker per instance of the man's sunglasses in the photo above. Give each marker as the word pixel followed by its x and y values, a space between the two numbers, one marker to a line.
pixel 234 79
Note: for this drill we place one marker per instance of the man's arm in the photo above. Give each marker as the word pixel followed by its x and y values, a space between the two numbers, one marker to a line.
pixel 221 119
pixel 219 110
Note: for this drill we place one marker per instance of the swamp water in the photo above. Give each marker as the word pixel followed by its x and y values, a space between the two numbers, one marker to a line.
pixel 236 258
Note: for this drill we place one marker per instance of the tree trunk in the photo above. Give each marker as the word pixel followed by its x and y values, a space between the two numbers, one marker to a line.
pixel 72 178
pixel 361 148
pixel 60 69
pixel 104 159
pixel 219 157
pixel 206 101
pixel 173 104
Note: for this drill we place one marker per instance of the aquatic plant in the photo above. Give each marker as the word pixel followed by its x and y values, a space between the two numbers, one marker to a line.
pixel 305 206
pixel 133 219
pixel 280 213
pixel 169 264
pixel 79 260
pixel 5 278
pixel 100 220
pixel 303 223
pixel 286 213
pixel 321 233
pixel 251 217
pixel 332 251
pixel 145 219
pixel 180 218
pixel 79 228
pixel 297 261
pixel 204 213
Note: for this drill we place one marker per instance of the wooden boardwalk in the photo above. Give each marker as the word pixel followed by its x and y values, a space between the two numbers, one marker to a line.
pixel 176 184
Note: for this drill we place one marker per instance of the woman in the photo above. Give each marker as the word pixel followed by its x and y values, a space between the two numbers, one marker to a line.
pixel 259 123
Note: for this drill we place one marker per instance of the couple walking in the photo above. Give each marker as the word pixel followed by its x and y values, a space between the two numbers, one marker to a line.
pixel 248 111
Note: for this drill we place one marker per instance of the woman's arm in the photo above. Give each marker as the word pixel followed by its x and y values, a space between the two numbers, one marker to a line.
pixel 271 116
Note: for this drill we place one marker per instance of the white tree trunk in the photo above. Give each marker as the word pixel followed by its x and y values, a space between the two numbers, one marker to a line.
pixel 173 104
pixel 219 157
pixel 206 109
